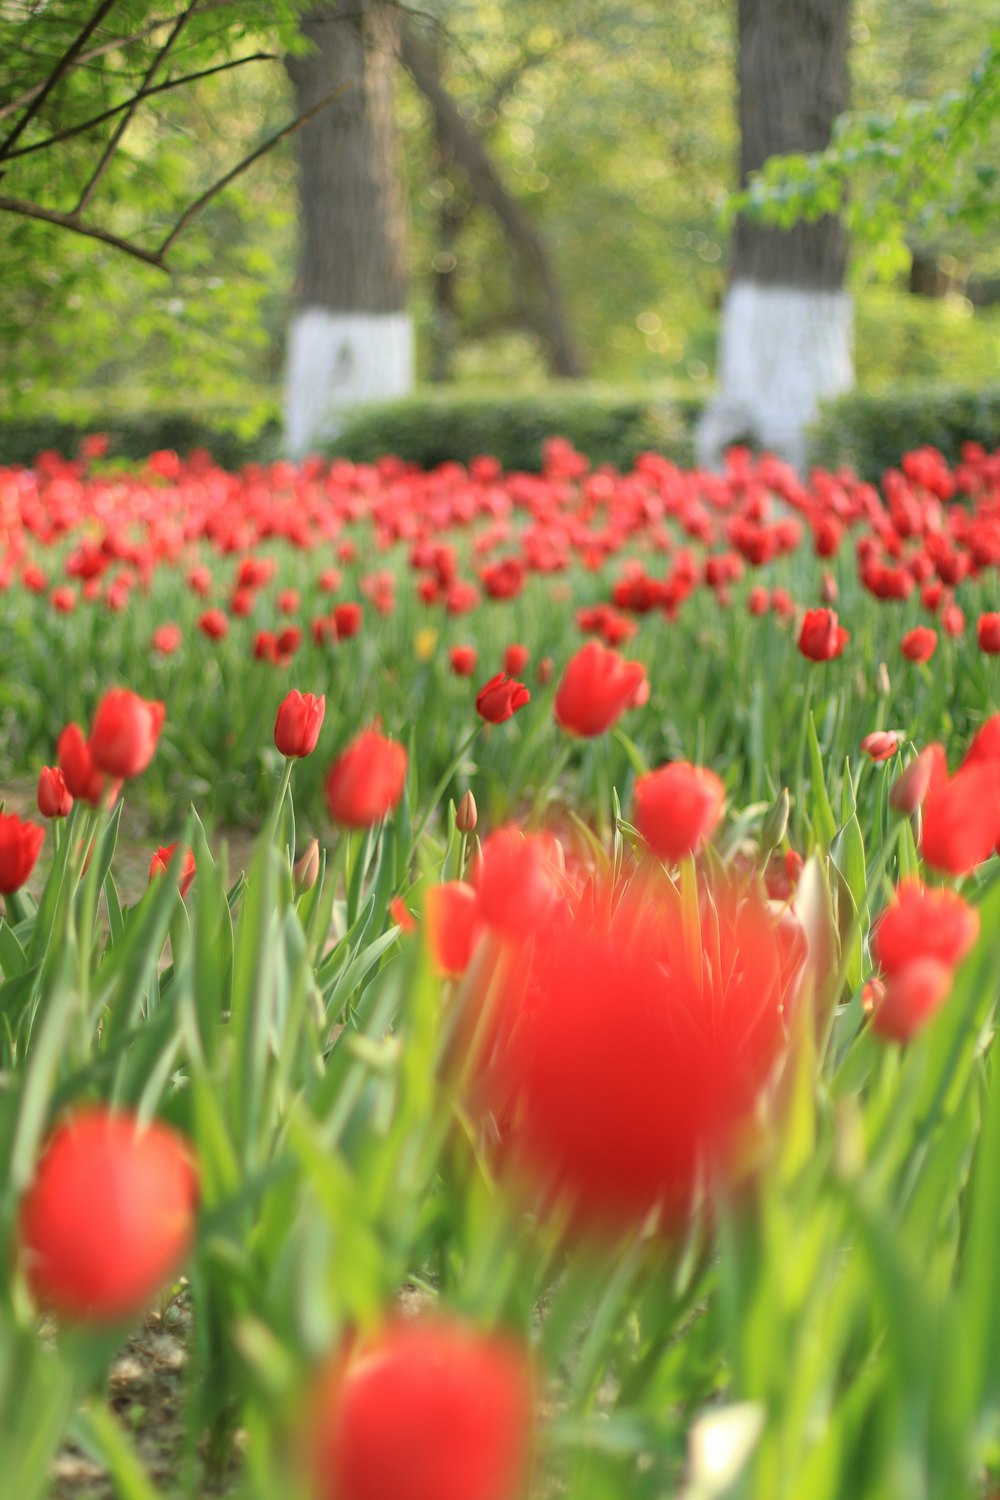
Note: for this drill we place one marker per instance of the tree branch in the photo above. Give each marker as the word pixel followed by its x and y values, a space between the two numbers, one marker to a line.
pixel 487 185
pixel 158 88
pixel 196 207
pixel 90 187
pixel 69 57
pixel 30 210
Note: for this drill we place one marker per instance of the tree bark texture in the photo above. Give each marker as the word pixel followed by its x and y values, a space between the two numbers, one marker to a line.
pixel 792 74
pixel 353 206
pixel 486 185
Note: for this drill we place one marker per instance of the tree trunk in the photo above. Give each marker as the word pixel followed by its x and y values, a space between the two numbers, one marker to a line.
pixel 351 339
pixel 485 184
pixel 786 331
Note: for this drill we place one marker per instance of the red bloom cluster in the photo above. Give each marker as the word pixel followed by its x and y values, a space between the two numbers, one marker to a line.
pixel 919 940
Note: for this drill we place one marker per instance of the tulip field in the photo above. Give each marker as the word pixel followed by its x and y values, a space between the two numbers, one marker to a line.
pixel 499 972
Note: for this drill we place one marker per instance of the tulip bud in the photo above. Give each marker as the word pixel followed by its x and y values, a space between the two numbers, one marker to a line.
pixel 882 685
pixel 467 815
pixel 306 869
pixel 776 822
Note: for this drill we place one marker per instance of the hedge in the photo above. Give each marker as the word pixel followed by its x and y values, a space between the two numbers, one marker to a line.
pixel 608 428
pixel 136 435
pixel 870 433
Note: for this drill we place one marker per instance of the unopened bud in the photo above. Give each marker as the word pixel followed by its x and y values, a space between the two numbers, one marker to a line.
pixel 830 592
pixel 909 791
pixel 776 822
pixel 306 870
pixel 882 684
pixel 467 815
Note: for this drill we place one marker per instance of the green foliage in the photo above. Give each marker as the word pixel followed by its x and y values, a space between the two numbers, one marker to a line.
pixel 233 435
pixel 608 428
pixel 870 432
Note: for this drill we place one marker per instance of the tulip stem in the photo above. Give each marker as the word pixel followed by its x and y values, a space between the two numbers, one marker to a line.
pixel 442 785
pixel 279 801
pixel 800 757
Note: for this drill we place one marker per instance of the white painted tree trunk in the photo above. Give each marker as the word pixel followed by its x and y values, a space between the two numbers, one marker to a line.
pixel 782 350
pixel 337 361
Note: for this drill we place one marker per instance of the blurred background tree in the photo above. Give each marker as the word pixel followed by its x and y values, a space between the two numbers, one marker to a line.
pixel 609 127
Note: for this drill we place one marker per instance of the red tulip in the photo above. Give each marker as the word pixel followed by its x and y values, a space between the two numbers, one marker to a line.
pixel 880 745
pixel 347 618
pixel 20 844
pixel 161 861
pixel 515 659
pixel 677 808
pixel 597 687
pixel 166 639
pixel 76 763
pixel 500 698
pixel 214 624
pixel 638 1057
pixel 518 881
pixel 451 917
pixel 428 1410
pixel 988 634
pixel 109 1217
pixel 911 998
pixel 821 637
pixel 961 815
pixel 299 721
pixel 919 644
pixel 463 660
pixel 921 922
pixel 125 732
pixel 54 798
pixel 366 781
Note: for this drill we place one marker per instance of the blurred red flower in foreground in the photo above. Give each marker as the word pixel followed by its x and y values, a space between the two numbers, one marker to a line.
pixel 677 808
pixel 920 939
pixel 161 861
pixel 630 1055
pixel 20 844
pixel 76 763
pixel 451 917
pixel 988 634
pixel 597 687
pixel 500 698
pixel 961 813
pixel 299 721
pixel 125 733
pixel 821 637
pixel 429 1410
pixel 366 780
pixel 109 1217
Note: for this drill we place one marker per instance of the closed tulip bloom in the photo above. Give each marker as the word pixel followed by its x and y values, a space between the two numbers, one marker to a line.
pixel 677 808
pixel 911 998
pixel 880 745
pixel 109 1218
pixel 20 843
pixel 166 639
pixel 82 777
pixel 822 637
pixel 427 1410
pixel 214 624
pixel 919 644
pixel 451 919
pixel 299 721
pixel 54 797
pixel 988 634
pixel 125 732
pixel 366 781
pixel 500 698
pixel 463 660
pixel 921 922
pixel 597 687
pixel 910 789
pixel 515 659
pixel 160 863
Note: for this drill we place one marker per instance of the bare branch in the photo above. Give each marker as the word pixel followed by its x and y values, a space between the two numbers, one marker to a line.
pixel 91 231
pixel 196 207
pixel 69 57
pixel 158 88
pixel 91 186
